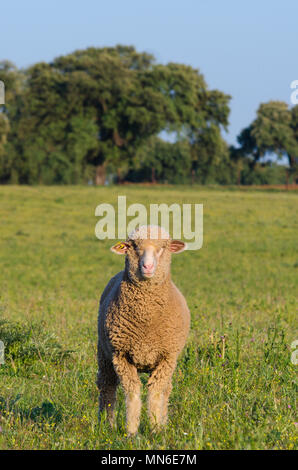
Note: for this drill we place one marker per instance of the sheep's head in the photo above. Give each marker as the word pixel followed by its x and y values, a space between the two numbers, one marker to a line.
pixel 148 253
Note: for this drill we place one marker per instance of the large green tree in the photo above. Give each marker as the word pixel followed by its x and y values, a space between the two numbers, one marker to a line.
pixel 275 130
pixel 96 108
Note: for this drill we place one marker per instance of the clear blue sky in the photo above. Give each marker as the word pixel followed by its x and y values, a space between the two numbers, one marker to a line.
pixel 245 48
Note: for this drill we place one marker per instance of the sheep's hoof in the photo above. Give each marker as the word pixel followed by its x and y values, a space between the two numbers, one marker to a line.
pixel 131 435
pixel 157 428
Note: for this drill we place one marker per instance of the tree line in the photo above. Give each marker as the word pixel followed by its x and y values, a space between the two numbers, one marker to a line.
pixel 99 115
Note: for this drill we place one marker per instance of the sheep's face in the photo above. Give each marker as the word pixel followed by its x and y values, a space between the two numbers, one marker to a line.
pixel 148 259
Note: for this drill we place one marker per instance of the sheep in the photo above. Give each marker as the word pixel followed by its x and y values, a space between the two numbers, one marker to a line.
pixel 143 324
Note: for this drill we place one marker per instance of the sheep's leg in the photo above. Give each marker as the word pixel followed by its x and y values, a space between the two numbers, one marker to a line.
pixel 107 400
pixel 130 381
pixel 160 386
pixel 164 411
pixel 107 382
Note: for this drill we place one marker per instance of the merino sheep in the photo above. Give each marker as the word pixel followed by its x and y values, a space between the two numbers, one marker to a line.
pixel 143 324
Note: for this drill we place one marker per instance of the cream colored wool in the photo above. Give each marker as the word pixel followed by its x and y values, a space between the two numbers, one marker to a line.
pixel 143 325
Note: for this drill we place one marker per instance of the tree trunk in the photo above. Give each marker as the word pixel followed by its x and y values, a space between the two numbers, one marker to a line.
pixel 153 179
pixel 100 175
pixel 238 175
pixel 293 168
pixel 119 176
pixel 192 176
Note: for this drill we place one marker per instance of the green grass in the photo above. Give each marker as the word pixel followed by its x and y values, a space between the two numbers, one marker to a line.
pixel 235 386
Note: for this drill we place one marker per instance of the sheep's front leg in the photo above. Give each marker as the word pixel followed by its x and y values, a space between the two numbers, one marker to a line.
pixel 160 386
pixel 131 384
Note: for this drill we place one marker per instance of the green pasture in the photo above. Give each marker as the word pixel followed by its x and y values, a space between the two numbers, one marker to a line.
pixel 235 386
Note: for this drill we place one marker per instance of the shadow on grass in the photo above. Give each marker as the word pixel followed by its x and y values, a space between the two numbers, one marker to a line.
pixel 29 345
pixel 46 412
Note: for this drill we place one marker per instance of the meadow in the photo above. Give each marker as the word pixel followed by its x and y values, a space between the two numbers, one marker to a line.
pixel 235 386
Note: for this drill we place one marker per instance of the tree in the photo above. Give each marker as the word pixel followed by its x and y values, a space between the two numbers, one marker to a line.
pixel 4 130
pixel 113 82
pixel 275 130
pixel 9 113
pixel 96 108
pixel 293 151
pixel 195 113
pixel 163 162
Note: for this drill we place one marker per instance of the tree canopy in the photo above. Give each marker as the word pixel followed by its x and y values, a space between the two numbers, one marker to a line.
pixel 103 110
pixel 275 130
pixel 95 108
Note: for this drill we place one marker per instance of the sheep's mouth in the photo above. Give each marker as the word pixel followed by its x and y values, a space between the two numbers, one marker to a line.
pixel 147 274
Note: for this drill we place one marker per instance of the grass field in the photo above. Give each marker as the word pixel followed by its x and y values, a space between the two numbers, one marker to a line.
pixel 235 386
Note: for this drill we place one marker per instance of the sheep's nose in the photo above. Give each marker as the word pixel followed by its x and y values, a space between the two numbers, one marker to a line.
pixel 148 266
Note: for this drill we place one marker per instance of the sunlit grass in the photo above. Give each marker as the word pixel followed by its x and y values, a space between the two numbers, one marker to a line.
pixel 235 386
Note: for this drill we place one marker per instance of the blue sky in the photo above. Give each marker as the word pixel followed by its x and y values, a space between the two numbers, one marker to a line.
pixel 246 49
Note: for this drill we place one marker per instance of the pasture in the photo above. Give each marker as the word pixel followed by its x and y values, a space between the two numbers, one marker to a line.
pixel 234 387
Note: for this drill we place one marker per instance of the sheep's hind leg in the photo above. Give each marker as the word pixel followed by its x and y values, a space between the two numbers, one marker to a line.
pixel 155 403
pixel 164 411
pixel 107 382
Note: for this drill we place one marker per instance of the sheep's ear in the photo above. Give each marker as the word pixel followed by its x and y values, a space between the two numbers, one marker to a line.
pixel 177 246
pixel 120 248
